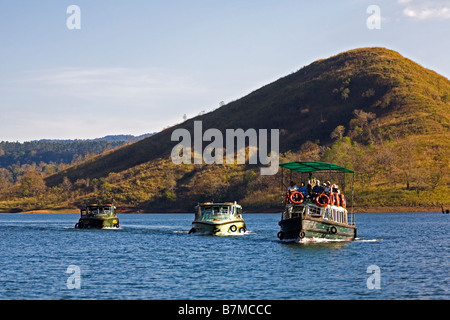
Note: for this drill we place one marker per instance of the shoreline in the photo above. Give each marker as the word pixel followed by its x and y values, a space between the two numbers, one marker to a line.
pixel 396 209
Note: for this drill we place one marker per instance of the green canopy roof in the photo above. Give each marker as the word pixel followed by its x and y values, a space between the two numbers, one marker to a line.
pixel 310 166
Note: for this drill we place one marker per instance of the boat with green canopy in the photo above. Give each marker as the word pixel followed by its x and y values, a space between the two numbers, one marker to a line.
pixel 317 209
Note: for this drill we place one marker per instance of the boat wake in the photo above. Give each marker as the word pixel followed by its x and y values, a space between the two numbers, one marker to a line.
pixel 105 228
pixel 319 240
pixel 111 228
pixel 233 234
pixel 322 240
pixel 367 240
pixel 181 231
pixel 220 234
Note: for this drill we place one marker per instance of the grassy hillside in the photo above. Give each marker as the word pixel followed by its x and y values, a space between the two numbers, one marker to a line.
pixel 369 109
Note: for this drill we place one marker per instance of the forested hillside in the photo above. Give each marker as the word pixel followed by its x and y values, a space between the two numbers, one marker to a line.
pixel 45 157
pixel 370 109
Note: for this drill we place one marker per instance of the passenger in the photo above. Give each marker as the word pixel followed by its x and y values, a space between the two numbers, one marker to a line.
pixel 311 179
pixel 337 189
pixel 318 189
pixel 292 187
pixel 327 187
pixel 303 189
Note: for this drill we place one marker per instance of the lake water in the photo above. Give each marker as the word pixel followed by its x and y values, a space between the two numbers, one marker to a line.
pixel 152 256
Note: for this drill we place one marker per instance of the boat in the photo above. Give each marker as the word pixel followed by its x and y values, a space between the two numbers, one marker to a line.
pixel 312 215
pixel 223 218
pixel 98 216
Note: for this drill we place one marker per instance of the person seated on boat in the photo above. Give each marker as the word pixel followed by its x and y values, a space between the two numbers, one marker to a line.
pixel 335 189
pixel 292 187
pixel 327 187
pixel 317 190
pixel 303 189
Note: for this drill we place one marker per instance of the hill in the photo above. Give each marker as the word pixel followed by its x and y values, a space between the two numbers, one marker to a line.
pixel 59 151
pixel 109 138
pixel 370 109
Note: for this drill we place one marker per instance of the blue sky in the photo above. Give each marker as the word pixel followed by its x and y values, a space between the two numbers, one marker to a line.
pixel 139 66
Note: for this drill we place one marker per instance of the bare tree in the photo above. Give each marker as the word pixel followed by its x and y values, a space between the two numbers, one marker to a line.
pixel 338 132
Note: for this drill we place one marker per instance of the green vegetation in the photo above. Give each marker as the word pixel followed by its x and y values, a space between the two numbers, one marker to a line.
pixel 367 109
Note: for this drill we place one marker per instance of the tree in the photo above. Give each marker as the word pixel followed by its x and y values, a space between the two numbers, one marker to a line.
pixel 338 133
pixel 66 185
pixel 361 125
pixel 32 184
pixel 105 191
pixel 406 162
pixel 345 93
pixel 310 151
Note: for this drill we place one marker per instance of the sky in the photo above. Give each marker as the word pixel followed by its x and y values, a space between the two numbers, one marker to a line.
pixel 138 66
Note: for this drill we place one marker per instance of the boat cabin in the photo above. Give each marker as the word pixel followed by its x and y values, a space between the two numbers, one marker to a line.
pixel 99 210
pixel 209 211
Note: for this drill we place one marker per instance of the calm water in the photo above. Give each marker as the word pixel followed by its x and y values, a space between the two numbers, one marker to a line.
pixel 154 257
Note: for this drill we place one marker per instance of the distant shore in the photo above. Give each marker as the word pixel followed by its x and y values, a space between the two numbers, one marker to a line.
pixel 271 210
pixel 396 209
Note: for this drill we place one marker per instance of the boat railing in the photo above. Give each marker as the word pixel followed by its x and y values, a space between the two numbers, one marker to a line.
pixel 330 213
pixel 336 215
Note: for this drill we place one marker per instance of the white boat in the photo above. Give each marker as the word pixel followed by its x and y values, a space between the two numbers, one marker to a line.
pixel 218 218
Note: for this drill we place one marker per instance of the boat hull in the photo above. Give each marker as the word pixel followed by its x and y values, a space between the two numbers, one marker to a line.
pixel 219 227
pixel 318 228
pixel 98 223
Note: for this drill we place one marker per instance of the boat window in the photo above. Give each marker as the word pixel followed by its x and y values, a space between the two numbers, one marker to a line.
pixel 206 209
pixel 106 210
pixel 214 212
pixel 293 212
pixel 220 211
pixel 92 210
pixel 314 211
pixel 100 210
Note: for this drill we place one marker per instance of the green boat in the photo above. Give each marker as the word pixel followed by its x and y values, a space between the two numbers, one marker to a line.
pixel 218 219
pixel 313 215
pixel 98 217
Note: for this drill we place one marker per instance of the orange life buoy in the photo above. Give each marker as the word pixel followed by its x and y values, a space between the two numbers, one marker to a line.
pixel 294 195
pixel 323 200
pixel 338 200
pixel 343 202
